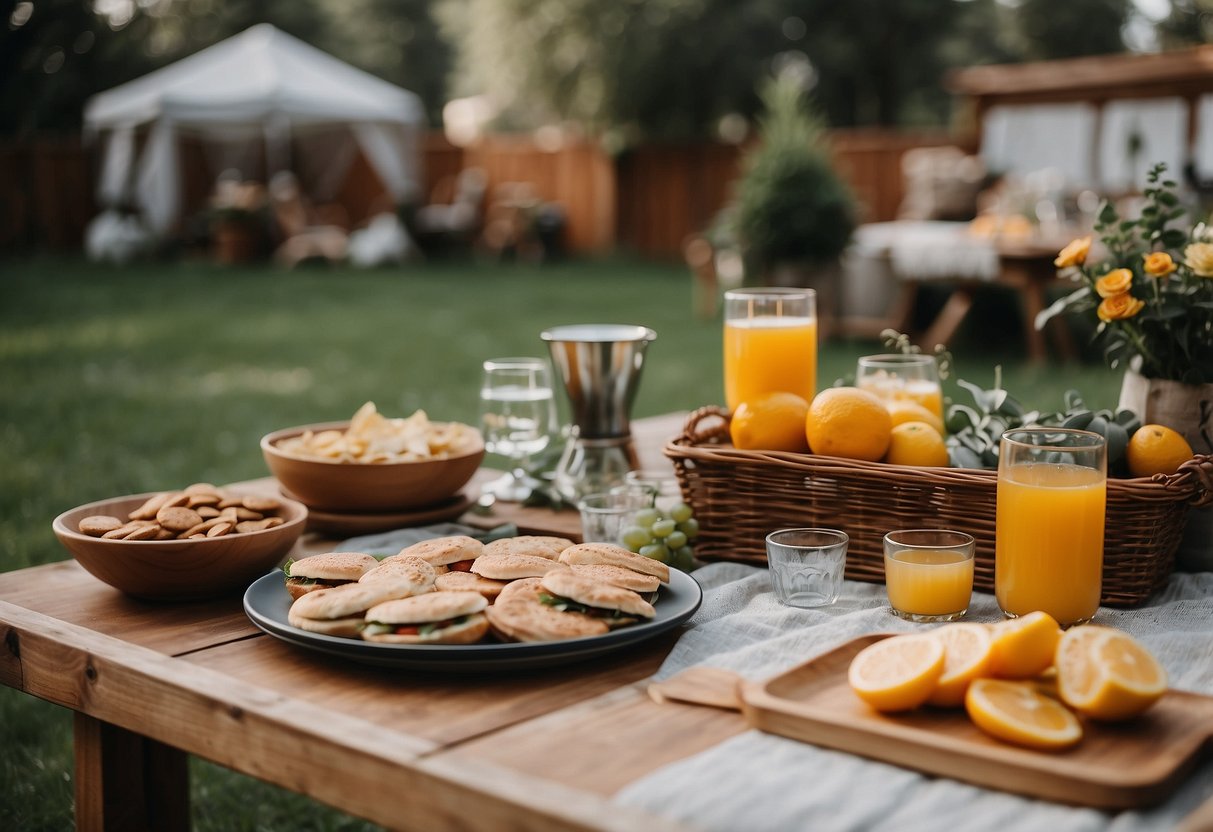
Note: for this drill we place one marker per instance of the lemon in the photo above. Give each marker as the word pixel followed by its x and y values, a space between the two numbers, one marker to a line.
pixel 770 422
pixel 848 422
pixel 897 673
pixel 966 658
pixel 1016 712
pixel 1106 674
pixel 917 443
pixel 1156 449
pixel 1023 647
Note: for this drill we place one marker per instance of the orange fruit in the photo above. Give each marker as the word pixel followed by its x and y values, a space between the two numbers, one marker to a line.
pixel 916 443
pixel 1023 647
pixel 1016 712
pixel 770 422
pixel 848 422
pixel 1106 674
pixel 897 673
pixel 966 648
pixel 1156 449
pixel 908 410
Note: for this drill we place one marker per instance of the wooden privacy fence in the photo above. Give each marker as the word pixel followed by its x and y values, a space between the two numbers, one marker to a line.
pixel 647 200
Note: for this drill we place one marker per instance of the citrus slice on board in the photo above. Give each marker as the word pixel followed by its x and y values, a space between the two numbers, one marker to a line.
pixel 1106 674
pixel 897 673
pixel 1016 712
pixel 1023 647
pixel 966 657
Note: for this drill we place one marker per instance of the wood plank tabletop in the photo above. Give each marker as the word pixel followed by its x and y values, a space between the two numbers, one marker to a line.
pixel 200 678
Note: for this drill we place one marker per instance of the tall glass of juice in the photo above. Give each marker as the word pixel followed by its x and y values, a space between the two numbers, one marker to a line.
pixel 896 377
pixel 770 343
pixel 1049 534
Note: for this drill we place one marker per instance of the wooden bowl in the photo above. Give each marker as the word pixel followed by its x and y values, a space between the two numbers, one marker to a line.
pixel 175 570
pixel 352 486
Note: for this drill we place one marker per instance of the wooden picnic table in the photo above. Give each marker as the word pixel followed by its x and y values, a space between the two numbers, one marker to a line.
pixel 151 683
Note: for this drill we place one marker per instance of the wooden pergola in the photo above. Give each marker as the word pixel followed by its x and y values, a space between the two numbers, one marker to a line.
pixel 1185 74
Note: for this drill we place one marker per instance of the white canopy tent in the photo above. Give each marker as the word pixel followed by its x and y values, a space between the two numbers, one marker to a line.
pixel 261 85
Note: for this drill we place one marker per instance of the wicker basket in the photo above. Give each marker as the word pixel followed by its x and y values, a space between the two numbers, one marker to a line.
pixel 741 496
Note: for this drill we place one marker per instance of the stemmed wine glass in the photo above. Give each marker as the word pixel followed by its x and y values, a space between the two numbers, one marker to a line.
pixel 517 418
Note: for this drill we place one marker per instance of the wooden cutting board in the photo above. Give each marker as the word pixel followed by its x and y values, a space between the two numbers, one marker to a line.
pixel 1116 766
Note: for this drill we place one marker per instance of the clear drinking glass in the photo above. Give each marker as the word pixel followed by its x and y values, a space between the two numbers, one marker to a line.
pixel 1048 548
pixel 604 516
pixel 807 565
pixel 897 377
pixel 770 343
pixel 517 418
pixel 928 574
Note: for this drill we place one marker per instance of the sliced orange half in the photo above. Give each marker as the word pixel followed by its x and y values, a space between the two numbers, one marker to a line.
pixel 1016 712
pixel 966 649
pixel 1024 647
pixel 897 673
pixel 1106 674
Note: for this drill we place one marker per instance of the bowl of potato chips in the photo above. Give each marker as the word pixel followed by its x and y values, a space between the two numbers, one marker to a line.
pixel 372 462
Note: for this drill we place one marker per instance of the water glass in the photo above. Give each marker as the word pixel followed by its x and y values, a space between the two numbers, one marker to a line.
pixel 605 515
pixel 517 418
pixel 807 565
pixel 899 377
pixel 1048 544
pixel 770 343
pixel 663 485
pixel 928 574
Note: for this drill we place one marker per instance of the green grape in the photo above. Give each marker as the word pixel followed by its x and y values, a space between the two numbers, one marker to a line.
pixel 646 517
pixel 634 537
pixel 683 559
pixel 663 528
pixel 690 528
pixel 675 539
pixel 656 551
pixel 680 513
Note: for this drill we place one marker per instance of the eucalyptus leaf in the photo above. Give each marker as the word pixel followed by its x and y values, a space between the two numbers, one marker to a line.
pixel 1118 440
pixel 962 457
pixel 1079 420
pixel 979 395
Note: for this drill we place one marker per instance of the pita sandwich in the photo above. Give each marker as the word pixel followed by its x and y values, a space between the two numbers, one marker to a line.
pixel 469 582
pixel 339 610
pixel 513 567
pixel 567 591
pixel 326 571
pixel 409 575
pixel 612 555
pixel 433 618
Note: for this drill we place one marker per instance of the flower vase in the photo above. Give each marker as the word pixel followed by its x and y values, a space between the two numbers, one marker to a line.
pixel 1188 409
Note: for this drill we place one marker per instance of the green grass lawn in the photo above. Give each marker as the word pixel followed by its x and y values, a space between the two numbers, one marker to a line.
pixel 119 381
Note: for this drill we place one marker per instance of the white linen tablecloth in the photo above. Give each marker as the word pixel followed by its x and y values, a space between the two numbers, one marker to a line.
pixel 758 781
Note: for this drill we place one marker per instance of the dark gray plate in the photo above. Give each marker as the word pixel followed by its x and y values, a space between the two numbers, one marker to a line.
pixel 266 603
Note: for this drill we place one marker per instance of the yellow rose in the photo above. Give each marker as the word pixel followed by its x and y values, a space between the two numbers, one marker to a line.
pixel 1075 254
pixel 1119 307
pixel 1115 282
pixel 1158 264
pixel 1199 258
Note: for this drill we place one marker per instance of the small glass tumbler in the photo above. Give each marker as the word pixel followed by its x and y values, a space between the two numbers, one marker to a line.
pixel 664 486
pixel 897 377
pixel 604 516
pixel 928 574
pixel 807 565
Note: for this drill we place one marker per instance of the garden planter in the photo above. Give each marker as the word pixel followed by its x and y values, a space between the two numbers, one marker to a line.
pixel 1187 408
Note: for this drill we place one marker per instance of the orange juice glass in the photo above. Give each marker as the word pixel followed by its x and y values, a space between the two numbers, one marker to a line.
pixel 898 377
pixel 1048 552
pixel 770 343
pixel 928 573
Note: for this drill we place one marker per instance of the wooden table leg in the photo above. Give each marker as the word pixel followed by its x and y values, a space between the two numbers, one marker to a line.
pixel 126 781
pixel 949 319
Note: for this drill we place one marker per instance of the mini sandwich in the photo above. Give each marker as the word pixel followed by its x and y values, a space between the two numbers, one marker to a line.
pixel 614 606
pixel 469 582
pixel 433 618
pixel 523 619
pixel 645 586
pixel 326 571
pixel 453 554
pixel 339 610
pixel 612 555
pixel 408 575
pixel 528 544
pixel 526 589
pixel 513 567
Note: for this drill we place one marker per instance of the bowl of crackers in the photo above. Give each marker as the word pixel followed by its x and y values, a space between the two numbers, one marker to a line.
pixel 202 541
pixel 374 463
